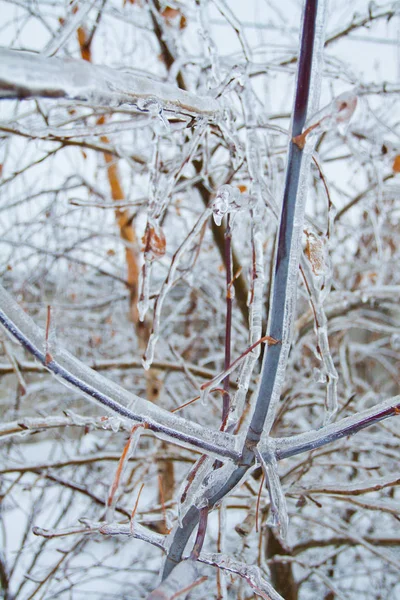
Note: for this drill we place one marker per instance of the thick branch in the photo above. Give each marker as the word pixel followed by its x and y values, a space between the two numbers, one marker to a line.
pixel 97 388
pixel 285 447
pixel 30 75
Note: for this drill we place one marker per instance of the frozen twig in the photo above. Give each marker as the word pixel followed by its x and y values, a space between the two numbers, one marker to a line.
pixel 128 451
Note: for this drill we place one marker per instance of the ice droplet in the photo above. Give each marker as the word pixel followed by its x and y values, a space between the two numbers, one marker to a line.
pixel 319 376
pixel 395 341
pixel 204 396
pixel 230 200
pixel 154 108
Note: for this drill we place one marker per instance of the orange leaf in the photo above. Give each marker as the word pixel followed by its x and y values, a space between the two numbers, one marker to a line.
pixel 242 188
pixel 170 13
pixel 396 164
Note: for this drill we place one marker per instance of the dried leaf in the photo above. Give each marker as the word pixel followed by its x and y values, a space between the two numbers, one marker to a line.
pixel 315 253
pixel 154 240
pixel 172 14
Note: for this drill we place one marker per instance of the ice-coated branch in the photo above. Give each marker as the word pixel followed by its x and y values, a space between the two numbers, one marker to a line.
pixel 113 529
pixel 285 447
pixel 32 425
pixel 284 288
pixel 76 375
pixel 251 573
pixel 30 75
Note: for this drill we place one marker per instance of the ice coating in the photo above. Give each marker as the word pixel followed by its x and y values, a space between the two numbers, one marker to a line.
pixel 272 387
pixel 191 485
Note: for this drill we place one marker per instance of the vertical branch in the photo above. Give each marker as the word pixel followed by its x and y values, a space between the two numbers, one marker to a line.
pixel 228 323
pixel 290 227
pixel 282 309
pixel 201 534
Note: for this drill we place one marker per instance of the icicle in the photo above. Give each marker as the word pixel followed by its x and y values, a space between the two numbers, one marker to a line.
pixel 229 131
pixel 191 484
pixel 166 286
pixel 313 269
pixel 209 42
pixel 144 289
pixel 278 512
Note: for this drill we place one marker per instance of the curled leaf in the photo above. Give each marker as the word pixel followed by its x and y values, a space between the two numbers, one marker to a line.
pixel 154 240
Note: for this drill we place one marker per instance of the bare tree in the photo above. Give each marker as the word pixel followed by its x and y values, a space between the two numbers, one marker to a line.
pixel 199 234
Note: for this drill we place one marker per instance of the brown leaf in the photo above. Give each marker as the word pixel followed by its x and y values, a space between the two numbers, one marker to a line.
pixel 170 14
pixel 314 251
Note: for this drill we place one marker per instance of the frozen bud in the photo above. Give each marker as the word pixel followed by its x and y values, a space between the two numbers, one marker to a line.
pixel 345 105
pixel 319 376
pixel 339 111
pixel 155 109
pixel 223 199
pixel 395 341
pixel 230 200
